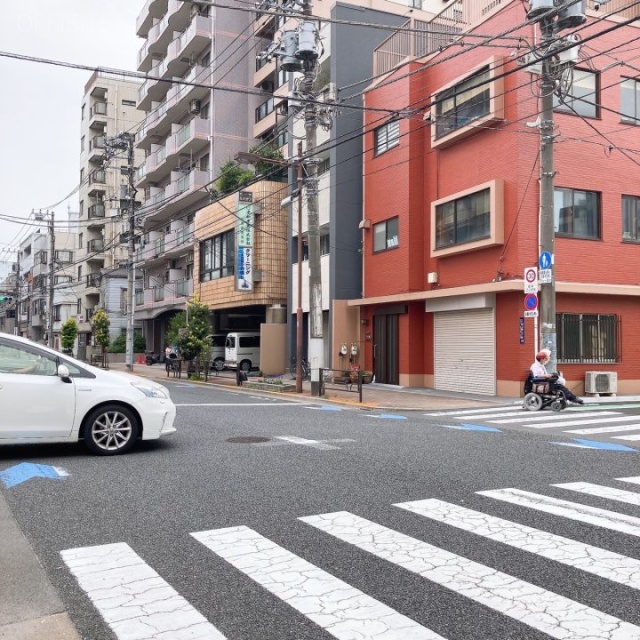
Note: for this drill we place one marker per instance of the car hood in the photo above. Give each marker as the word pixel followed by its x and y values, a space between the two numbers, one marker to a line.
pixel 120 375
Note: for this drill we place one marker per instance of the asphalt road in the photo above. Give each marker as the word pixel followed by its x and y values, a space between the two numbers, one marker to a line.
pixel 374 570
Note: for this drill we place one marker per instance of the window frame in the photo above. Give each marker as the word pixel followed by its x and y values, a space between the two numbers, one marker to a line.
pixel 386 137
pixel 495 236
pixel 575 349
pixel 495 112
pixel 630 219
pixel 384 225
pixel 635 94
pixel 217 256
pixel 557 211
pixel 569 106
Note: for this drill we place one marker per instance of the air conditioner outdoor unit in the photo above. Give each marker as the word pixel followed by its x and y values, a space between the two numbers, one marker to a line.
pixel 194 106
pixel 257 275
pixel 598 382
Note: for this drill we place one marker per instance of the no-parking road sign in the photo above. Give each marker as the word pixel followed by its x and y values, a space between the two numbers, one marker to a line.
pixel 531 305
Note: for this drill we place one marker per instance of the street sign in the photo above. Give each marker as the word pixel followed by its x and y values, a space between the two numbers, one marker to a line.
pixel 531 302
pixel 531 314
pixel 545 276
pixel 546 260
pixel 530 280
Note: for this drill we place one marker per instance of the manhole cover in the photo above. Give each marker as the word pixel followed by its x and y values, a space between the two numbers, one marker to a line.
pixel 248 439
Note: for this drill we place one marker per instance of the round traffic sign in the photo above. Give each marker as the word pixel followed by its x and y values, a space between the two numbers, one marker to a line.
pixel 530 275
pixel 531 301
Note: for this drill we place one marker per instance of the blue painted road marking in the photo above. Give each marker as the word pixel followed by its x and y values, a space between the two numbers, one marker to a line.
pixel 595 444
pixel 27 470
pixel 465 426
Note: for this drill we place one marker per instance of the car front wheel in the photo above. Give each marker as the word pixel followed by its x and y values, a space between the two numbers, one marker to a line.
pixel 110 430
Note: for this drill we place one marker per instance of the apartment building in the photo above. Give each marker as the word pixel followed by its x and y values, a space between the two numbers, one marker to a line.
pixel 191 129
pixel 34 283
pixel 108 109
pixel 451 217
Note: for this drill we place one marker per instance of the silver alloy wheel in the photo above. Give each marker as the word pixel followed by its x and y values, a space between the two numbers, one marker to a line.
pixel 218 364
pixel 110 430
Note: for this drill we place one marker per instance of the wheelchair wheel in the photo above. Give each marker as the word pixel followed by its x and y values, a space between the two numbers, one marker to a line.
pixel 532 402
pixel 558 405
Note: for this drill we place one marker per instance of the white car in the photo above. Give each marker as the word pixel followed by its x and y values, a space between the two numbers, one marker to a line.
pixel 46 396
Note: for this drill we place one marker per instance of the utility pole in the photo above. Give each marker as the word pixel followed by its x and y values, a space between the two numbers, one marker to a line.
pixel 16 320
pixel 52 259
pixel 124 142
pixel 554 17
pixel 299 52
pixel 299 317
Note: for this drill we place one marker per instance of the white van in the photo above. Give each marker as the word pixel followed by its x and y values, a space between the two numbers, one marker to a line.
pixel 217 351
pixel 242 349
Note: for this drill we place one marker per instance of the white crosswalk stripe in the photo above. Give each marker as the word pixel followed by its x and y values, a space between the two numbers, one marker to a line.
pixel 132 598
pixel 600 562
pixel 538 608
pixel 464 412
pixel 572 510
pixel 615 429
pixel 138 604
pixel 560 419
pixel 633 438
pixel 343 611
pixel 610 493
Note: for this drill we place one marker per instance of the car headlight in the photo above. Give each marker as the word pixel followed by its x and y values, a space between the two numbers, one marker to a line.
pixel 151 392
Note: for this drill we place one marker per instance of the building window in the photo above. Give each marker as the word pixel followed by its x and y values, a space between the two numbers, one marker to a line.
pixel 630 218
pixel 577 213
pixel 630 101
pixel 57 312
pixel 62 279
pixel 265 109
pixel 325 245
pixel 79 307
pixel 468 220
pixel 129 103
pixel 385 235
pixel 587 338
pixel 464 102
pixel 82 143
pixel 217 256
pixel 64 256
pixel 386 136
pixel 582 96
pixel 463 220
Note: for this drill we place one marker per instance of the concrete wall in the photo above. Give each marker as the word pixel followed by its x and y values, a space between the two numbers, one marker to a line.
pixel 273 349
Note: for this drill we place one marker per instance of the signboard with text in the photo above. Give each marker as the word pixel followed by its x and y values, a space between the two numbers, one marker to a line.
pixel 244 241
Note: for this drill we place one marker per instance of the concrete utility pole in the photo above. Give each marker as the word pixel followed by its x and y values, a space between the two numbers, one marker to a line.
pixel 547 230
pixel 124 142
pixel 308 52
pixel 554 17
pixel 299 317
pixel 52 260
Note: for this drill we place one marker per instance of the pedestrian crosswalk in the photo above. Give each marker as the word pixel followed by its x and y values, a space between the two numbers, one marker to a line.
pixel 583 421
pixel 136 602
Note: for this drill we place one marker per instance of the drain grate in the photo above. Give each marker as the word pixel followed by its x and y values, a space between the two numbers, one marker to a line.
pixel 248 439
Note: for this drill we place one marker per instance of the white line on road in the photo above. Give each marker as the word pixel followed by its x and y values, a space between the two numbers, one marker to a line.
pixel 633 479
pixel 630 438
pixel 527 603
pixel 629 497
pixel 315 444
pixel 461 412
pixel 600 562
pixel 571 510
pixel 616 429
pixel 341 610
pixel 132 598
pixel 553 419
pixel 236 404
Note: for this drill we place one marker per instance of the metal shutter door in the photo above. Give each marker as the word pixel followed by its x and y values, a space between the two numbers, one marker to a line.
pixel 464 351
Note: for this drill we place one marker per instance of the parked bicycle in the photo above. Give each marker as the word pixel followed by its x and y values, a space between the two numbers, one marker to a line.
pixel 306 369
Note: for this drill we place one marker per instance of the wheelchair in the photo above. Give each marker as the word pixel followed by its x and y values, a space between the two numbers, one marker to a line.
pixel 542 392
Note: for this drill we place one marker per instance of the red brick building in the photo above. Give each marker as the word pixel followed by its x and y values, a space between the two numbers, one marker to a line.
pixel 451 214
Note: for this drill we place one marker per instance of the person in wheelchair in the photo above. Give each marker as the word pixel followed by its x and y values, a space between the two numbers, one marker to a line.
pixel 539 373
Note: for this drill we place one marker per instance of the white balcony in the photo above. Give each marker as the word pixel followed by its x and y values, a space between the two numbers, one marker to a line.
pixel 152 90
pixel 191 42
pixel 153 9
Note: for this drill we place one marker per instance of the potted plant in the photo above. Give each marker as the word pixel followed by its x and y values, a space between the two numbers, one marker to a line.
pixel 68 334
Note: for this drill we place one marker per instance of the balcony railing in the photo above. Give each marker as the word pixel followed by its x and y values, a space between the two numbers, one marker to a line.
pixel 182 288
pixel 158 293
pixel 98 109
pixel 95 246
pixel 99 175
pixel 96 211
pixel 139 297
pixel 93 280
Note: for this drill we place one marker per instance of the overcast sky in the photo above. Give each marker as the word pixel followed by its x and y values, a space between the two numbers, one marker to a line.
pixel 40 106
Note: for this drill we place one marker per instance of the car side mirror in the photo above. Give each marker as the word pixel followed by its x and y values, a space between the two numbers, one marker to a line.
pixel 63 373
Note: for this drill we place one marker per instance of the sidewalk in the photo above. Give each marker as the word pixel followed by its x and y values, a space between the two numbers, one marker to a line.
pixel 374 396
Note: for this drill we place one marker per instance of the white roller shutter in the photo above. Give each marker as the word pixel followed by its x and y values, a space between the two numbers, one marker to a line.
pixel 465 351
